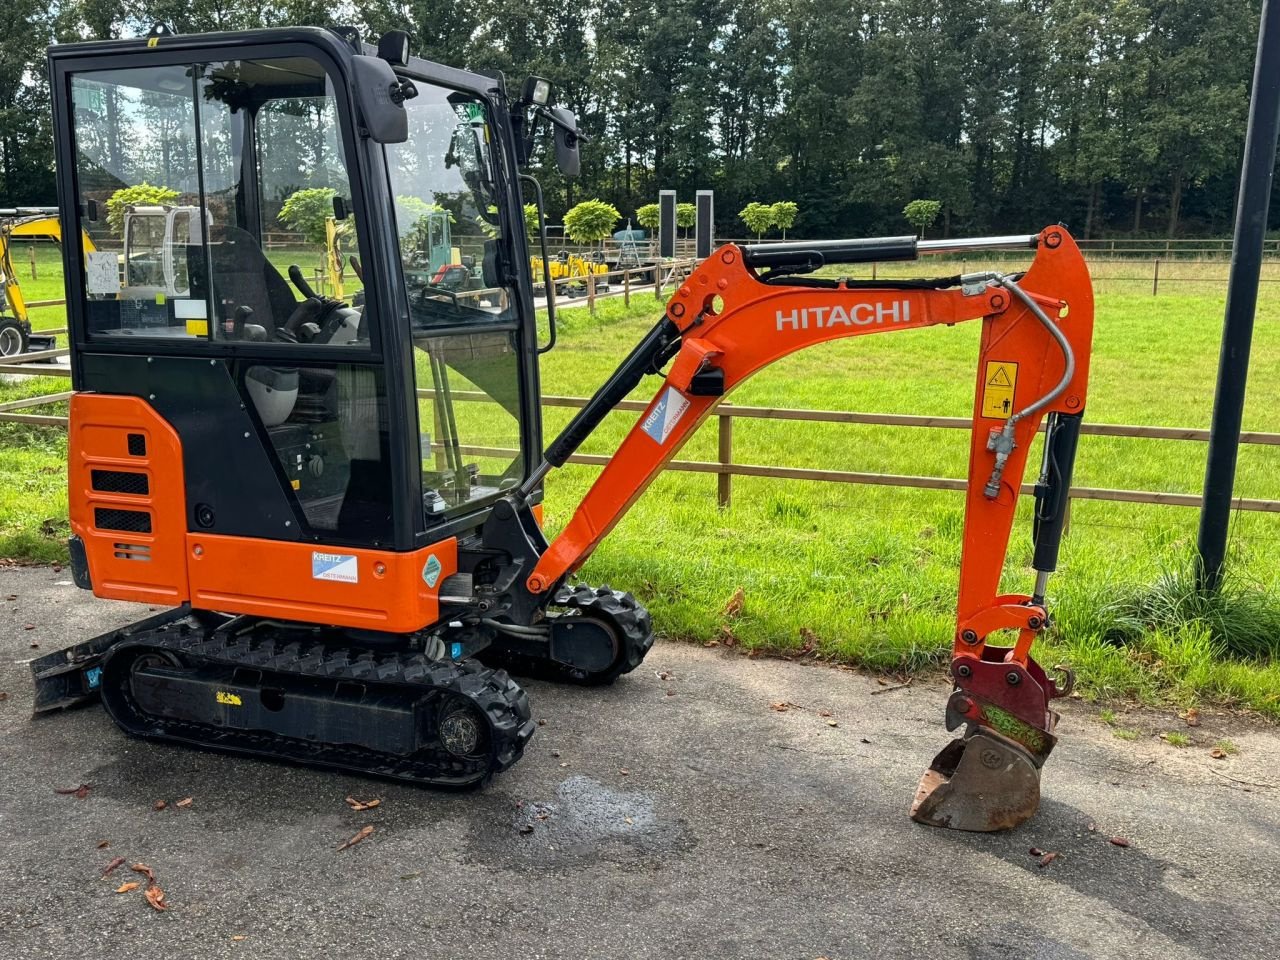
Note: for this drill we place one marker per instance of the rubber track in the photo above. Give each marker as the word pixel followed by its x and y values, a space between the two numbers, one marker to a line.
pixel 621 611
pixel 493 692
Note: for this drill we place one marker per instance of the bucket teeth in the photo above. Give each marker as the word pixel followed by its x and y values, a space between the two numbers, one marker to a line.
pixel 981 782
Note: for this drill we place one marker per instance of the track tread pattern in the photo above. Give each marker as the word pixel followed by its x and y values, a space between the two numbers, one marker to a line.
pixel 491 691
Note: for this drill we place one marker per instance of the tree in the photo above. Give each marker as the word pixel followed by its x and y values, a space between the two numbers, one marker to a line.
pixel 921 213
pixel 686 215
pixel 784 215
pixel 143 194
pixel 305 212
pixel 590 221
pixel 757 216
pixel 649 216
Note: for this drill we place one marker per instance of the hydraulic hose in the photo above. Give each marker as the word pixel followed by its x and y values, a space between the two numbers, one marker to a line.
pixel 1001 443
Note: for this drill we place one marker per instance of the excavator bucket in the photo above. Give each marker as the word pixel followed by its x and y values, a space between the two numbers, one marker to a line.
pixel 981 782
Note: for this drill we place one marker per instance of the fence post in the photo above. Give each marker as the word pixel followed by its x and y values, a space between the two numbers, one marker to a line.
pixel 591 292
pixel 31 256
pixel 626 288
pixel 1155 279
pixel 724 480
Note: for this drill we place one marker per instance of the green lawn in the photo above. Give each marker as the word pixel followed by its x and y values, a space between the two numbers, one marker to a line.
pixel 870 571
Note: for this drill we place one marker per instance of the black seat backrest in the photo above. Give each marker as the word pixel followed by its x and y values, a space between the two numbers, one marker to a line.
pixel 242 277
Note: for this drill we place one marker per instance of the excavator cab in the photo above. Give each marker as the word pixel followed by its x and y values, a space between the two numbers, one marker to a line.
pixel 301 419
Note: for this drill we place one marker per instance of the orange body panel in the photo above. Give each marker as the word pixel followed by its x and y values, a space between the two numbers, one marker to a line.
pixel 146 567
pixel 168 566
pixel 272 578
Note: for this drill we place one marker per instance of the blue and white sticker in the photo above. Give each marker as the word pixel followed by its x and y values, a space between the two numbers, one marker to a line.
pixel 93 677
pixel 334 566
pixel 431 571
pixel 664 416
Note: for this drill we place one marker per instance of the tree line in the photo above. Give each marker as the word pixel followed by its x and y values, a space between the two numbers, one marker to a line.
pixel 1114 116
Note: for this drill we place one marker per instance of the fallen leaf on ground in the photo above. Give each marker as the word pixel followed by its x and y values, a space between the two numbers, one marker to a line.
pixel 832 723
pixel 711 643
pixel 671 693
pixel 1218 753
pixel 564 764
pixel 155 897
pixel 358 805
pixel 411 876
pixel 1048 858
pixel 1193 717
pixel 29 626
pixel 159 805
pixel 781 706
pixel 665 675
pixel 352 841
pixel 79 792
pixel 143 869
pixel 882 681
pixel 810 640
pixel 865 740
pixel 185 802
pixel 126 887
pixel 238 937
pixel 103 844
pixel 824 713
pixel 727 637
pixel 112 865
pixel 3 696
pixel 542 723
pixel 1120 841
pixel 624 771
pixel 734 607
pixel 627 820
pixel 1036 852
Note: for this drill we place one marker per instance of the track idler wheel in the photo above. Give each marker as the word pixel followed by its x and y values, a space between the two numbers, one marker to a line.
pixel 981 782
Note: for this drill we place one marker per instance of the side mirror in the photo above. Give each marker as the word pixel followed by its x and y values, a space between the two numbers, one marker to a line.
pixel 377 92
pixel 566 134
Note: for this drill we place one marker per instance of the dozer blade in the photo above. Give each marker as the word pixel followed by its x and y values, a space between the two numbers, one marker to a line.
pixel 981 782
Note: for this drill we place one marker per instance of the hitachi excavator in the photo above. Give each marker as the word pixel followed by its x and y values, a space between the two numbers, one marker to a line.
pixel 339 509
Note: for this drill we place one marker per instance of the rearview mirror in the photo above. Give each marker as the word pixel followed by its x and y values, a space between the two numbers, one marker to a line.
pixel 566 134
pixel 377 92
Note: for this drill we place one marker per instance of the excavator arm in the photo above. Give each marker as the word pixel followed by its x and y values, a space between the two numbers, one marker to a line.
pixel 744 308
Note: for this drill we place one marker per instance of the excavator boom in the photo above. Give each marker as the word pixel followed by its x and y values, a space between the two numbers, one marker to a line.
pixel 730 319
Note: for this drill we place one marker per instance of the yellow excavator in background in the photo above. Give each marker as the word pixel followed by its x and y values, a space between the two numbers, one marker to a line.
pixel 16 335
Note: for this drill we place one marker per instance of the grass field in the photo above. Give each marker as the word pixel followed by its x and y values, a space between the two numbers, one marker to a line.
pixel 870 571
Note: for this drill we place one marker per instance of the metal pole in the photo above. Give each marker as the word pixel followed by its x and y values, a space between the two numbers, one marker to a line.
pixel 1242 297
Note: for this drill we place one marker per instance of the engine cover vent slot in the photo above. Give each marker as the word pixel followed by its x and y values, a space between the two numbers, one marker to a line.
pixel 132 551
pixel 137 445
pixel 121 481
pixel 130 521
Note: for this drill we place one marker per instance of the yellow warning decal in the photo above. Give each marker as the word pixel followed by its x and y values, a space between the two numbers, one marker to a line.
pixel 230 699
pixel 296 484
pixel 998 387
pixel 197 328
pixel 153 41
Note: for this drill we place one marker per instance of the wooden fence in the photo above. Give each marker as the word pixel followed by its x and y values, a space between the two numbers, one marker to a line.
pixel 725 468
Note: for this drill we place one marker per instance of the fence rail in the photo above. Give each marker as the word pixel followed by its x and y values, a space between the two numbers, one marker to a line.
pixel 725 468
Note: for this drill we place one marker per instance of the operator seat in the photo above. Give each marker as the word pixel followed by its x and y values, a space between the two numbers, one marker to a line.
pixel 243 277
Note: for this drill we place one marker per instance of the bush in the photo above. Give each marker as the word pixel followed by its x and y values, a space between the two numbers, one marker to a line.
pixel 144 194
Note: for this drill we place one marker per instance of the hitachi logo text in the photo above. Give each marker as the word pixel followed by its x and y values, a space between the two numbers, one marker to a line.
pixel 859 315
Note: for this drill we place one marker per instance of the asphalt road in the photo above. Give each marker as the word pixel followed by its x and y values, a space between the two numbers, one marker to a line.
pixel 675 818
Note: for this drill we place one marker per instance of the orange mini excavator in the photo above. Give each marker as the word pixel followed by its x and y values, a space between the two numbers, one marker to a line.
pixel 339 506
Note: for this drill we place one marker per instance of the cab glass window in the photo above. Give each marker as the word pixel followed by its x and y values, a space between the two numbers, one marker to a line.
pixel 214 198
